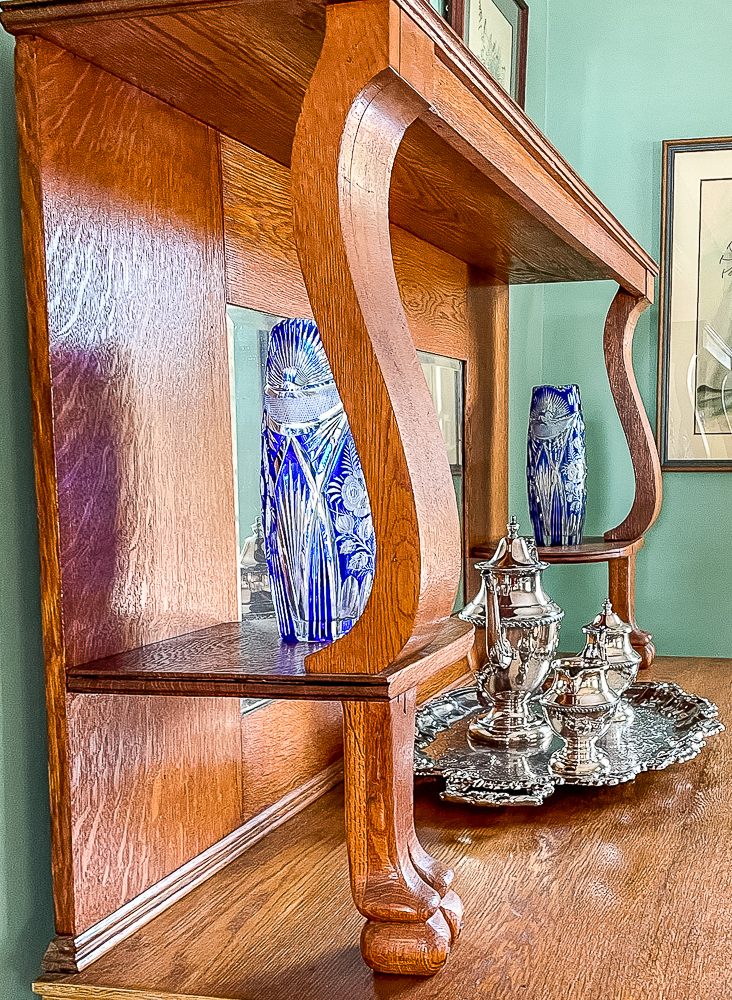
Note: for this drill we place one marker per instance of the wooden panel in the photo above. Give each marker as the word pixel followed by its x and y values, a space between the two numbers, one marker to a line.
pixel 263 272
pixel 242 68
pixel 138 360
pixel 262 269
pixel 486 418
pixel 639 870
pixel 283 745
pixel 29 140
pixel 155 781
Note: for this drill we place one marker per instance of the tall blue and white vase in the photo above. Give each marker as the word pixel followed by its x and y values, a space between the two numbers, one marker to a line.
pixel 556 467
pixel 318 530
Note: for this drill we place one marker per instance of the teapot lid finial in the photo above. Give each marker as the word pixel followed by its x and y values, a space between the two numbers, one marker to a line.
pixel 512 528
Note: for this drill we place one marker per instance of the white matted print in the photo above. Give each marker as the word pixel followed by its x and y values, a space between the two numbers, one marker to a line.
pixel 695 392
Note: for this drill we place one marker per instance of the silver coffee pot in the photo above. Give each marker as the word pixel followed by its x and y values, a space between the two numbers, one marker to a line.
pixel 522 631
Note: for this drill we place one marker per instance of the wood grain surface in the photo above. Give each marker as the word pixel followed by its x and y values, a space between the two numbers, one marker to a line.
pixel 343 154
pixel 241 68
pixel 591 549
pixel 621 587
pixel 283 745
pixel 143 806
pixel 413 917
pixel 134 246
pixel 250 660
pixel 73 953
pixel 29 142
pixel 618 347
pixel 617 892
pixel 244 67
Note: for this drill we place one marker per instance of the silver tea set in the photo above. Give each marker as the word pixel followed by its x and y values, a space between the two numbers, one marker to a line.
pixel 529 693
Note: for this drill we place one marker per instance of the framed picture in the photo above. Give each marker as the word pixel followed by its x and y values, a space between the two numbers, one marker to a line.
pixel 695 315
pixel 496 31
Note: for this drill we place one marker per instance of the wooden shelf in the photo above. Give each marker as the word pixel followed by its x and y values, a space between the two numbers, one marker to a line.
pixel 592 549
pixel 473 177
pixel 249 660
pixel 596 892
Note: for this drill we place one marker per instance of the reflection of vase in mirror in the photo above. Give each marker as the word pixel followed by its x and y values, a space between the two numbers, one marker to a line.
pixel 556 467
pixel 318 530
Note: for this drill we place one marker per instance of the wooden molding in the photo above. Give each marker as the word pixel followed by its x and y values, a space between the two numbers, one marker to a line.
pixel 72 954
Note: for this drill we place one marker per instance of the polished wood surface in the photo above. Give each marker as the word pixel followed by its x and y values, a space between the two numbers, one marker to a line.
pixel 388 120
pixel 413 917
pixel 243 68
pixel 452 308
pixel 133 436
pixel 67 953
pixel 614 892
pixel 342 162
pixel 139 368
pixel 29 142
pixel 621 587
pixel 283 745
pixel 138 813
pixel 591 549
pixel 485 503
pixel 618 347
pixel 249 660
pixel 240 67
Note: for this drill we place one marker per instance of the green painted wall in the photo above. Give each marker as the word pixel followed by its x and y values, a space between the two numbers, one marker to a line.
pixel 607 82
pixel 620 78
pixel 26 907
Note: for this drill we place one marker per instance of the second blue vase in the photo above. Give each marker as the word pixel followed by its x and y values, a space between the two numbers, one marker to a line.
pixel 556 466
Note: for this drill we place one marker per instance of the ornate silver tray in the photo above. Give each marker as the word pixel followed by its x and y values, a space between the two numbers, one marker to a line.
pixel 668 726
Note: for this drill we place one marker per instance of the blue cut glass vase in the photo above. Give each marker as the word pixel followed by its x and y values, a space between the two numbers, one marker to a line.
pixel 556 465
pixel 318 530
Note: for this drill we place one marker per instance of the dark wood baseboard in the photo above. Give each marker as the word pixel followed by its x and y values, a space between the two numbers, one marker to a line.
pixel 68 953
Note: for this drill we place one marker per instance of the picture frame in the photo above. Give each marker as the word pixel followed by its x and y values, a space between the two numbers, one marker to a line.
pixel 496 32
pixel 694 426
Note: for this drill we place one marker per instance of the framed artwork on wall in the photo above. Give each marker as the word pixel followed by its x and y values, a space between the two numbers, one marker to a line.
pixel 695 314
pixel 496 31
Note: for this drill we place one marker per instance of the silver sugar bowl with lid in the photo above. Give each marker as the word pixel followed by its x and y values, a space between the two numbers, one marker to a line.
pixel 522 631
pixel 608 639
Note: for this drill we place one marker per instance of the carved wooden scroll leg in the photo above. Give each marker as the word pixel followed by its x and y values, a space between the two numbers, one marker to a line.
pixel 413 916
pixel 621 573
pixel 618 346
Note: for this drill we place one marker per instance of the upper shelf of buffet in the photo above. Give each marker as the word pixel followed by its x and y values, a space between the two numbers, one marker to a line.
pixel 473 175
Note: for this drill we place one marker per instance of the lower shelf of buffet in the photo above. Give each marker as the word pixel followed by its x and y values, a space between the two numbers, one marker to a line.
pixel 249 660
pixel 608 892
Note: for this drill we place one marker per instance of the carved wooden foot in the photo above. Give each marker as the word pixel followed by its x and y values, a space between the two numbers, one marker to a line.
pixel 621 587
pixel 643 645
pixel 413 917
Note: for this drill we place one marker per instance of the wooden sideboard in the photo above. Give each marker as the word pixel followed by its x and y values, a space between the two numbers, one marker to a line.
pixel 612 892
pixel 349 161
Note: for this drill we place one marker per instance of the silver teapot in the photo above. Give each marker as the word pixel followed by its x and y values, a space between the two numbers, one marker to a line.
pixel 522 631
